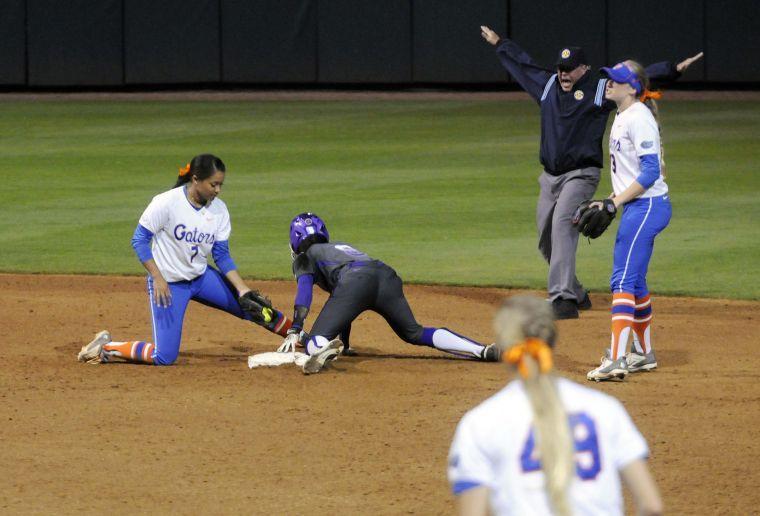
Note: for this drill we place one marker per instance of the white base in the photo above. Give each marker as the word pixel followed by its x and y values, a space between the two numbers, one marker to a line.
pixel 274 358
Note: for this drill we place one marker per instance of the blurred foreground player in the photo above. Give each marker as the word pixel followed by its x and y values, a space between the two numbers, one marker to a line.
pixel 544 444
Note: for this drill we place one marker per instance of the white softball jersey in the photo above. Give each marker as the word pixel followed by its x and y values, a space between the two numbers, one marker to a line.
pixel 494 447
pixel 183 234
pixel 634 134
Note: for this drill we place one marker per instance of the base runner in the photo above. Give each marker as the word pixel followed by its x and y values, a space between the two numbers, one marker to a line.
pixel 356 283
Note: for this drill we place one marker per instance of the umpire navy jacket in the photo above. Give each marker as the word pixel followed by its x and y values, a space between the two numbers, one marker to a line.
pixel 573 122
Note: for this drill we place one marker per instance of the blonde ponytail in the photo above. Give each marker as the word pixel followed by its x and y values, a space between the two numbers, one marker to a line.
pixel 525 326
pixel 553 440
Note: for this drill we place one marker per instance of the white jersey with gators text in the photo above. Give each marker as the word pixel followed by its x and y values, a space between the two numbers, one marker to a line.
pixel 184 234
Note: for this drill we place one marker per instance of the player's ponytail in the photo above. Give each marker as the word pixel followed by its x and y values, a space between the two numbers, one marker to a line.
pixel 202 167
pixel 526 332
pixel 649 99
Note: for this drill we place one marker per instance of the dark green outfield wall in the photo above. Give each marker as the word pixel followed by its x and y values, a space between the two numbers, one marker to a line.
pixel 116 43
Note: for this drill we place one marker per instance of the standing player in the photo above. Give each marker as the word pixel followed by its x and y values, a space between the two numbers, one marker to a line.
pixel 185 225
pixel 355 283
pixel 638 184
pixel 544 444
pixel 574 116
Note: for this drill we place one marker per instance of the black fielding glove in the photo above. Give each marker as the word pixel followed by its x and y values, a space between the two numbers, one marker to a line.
pixel 592 221
pixel 259 306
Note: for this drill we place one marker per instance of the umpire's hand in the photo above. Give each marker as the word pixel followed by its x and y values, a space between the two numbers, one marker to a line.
pixel 683 65
pixel 490 35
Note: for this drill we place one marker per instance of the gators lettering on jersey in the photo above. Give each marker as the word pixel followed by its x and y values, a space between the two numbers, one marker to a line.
pixel 184 234
pixel 495 447
pixel 634 134
pixel 325 261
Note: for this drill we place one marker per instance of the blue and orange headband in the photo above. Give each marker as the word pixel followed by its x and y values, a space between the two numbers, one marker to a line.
pixel 624 74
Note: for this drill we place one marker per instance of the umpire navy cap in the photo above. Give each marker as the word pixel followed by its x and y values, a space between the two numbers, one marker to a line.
pixel 570 58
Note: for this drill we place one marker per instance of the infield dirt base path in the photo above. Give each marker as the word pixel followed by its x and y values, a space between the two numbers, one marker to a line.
pixel 369 436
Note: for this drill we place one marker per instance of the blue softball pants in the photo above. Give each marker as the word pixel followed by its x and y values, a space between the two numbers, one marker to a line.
pixel 643 219
pixel 210 288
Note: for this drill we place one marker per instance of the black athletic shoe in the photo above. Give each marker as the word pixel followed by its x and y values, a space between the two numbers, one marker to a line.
pixel 565 309
pixel 585 303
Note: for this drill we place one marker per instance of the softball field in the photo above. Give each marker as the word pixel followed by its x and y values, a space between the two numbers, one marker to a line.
pixel 369 436
pixel 440 186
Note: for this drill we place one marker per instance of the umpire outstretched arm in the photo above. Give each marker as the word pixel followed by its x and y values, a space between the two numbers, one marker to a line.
pixel 533 78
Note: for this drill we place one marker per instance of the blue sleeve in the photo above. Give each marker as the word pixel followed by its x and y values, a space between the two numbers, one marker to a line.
pixel 462 486
pixel 141 243
pixel 221 253
pixel 662 73
pixel 650 170
pixel 305 287
pixel 531 77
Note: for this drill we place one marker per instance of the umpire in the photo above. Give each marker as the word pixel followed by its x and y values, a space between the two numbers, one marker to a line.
pixel 574 117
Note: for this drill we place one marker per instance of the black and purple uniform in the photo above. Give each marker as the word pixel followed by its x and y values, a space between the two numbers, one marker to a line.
pixel 356 282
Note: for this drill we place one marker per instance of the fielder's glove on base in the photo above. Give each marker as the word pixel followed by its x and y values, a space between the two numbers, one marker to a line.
pixel 591 220
pixel 259 306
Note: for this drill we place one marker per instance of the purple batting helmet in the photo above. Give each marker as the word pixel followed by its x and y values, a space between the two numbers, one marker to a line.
pixel 307 225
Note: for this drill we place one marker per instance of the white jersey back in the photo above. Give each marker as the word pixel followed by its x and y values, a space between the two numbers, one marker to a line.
pixel 494 446
pixel 634 133
pixel 184 234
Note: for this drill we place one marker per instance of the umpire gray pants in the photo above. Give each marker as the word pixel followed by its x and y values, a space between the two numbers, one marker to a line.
pixel 557 238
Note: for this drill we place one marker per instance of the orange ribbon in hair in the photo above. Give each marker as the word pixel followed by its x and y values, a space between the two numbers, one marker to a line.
pixel 536 348
pixel 654 95
pixel 184 170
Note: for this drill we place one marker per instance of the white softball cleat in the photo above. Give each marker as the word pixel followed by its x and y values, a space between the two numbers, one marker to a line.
pixel 638 362
pixel 317 360
pixel 92 353
pixel 609 370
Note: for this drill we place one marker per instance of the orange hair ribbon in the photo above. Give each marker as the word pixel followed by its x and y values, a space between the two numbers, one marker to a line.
pixel 184 170
pixel 536 348
pixel 655 95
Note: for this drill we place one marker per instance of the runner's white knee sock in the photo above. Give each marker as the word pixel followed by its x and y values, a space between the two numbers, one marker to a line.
pixel 450 342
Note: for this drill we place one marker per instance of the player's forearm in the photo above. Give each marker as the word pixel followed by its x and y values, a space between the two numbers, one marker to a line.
pixel 234 278
pixel 474 502
pixel 152 268
pixel 646 496
pixel 628 194
pixel 302 303
pixel 300 313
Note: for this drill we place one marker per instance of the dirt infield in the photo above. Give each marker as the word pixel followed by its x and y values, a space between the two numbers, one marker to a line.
pixel 368 437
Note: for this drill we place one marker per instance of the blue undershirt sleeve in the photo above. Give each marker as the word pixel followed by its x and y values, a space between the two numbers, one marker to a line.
pixel 463 485
pixel 141 243
pixel 221 253
pixel 305 287
pixel 650 170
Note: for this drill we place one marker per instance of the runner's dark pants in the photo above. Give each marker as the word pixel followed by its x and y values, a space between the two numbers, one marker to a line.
pixel 372 286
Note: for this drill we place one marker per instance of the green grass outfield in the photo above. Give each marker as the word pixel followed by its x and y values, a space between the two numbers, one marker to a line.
pixel 443 190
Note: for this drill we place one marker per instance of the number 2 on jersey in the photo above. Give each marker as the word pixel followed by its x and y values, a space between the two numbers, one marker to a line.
pixel 195 252
pixel 583 431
